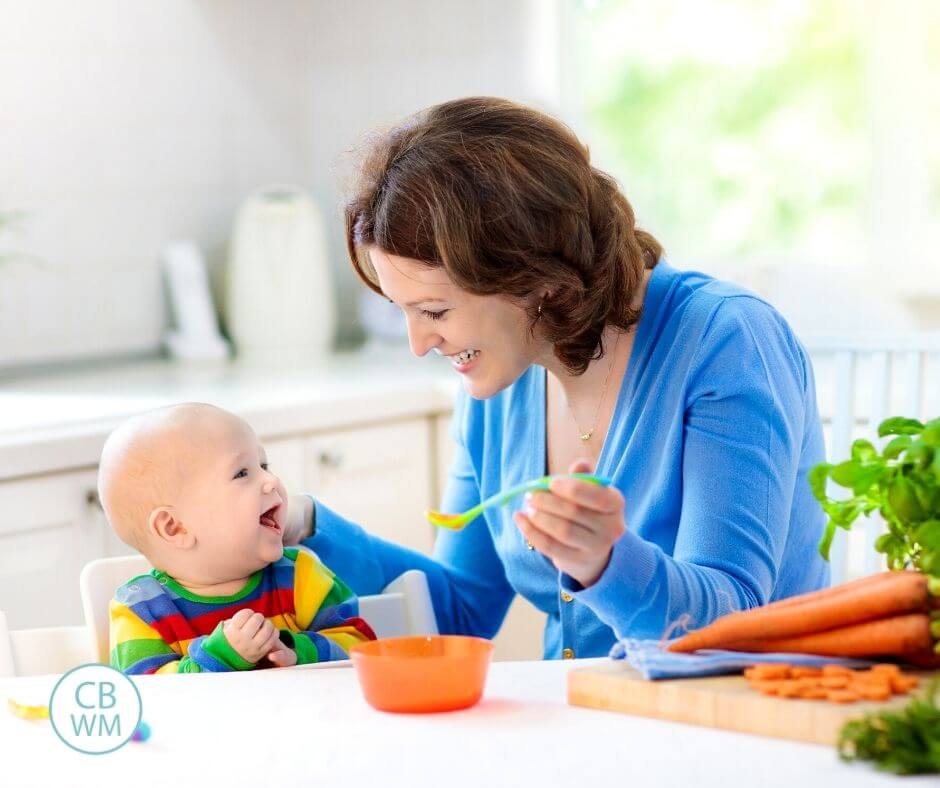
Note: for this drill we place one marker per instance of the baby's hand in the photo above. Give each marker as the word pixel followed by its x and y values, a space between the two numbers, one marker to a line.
pixel 282 656
pixel 250 634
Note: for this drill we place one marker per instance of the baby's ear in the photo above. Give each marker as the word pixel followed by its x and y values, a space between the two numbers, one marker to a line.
pixel 164 526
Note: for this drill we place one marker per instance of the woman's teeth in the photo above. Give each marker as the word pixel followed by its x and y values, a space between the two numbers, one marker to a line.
pixel 464 357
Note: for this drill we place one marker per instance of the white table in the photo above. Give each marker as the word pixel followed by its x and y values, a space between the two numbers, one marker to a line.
pixel 306 727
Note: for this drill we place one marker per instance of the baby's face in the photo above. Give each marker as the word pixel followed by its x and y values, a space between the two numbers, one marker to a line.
pixel 231 503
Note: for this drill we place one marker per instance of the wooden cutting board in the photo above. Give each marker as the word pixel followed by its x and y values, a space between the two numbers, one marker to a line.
pixel 720 702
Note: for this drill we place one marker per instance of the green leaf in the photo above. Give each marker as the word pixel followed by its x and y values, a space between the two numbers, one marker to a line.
pixel 927 534
pixel 826 542
pixel 931 434
pixel 919 454
pixel 928 496
pixel 906 741
pixel 902 497
pixel 845 473
pixel 899 425
pixel 863 450
pixel 868 479
pixel 896 446
pixel 883 543
pixel 817 480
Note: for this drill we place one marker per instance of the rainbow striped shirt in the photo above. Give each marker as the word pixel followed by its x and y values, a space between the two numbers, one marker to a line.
pixel 157 626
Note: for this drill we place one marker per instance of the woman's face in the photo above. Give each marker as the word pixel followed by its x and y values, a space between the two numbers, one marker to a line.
pixel 486 339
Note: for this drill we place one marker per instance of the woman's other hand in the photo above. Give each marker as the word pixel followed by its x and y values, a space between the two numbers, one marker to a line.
pixel 575 524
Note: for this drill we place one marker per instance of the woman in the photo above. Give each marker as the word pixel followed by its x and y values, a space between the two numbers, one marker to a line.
pixel 581 349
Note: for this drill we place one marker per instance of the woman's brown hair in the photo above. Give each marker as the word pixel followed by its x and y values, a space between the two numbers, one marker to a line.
pixel 505 198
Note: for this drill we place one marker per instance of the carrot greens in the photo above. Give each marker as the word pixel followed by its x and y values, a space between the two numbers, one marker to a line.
pixel 901 482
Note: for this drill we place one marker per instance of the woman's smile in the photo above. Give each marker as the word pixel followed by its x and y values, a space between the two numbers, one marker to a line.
pixel 463 361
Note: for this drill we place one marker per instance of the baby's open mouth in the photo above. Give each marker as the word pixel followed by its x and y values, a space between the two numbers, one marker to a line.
pixel 269 518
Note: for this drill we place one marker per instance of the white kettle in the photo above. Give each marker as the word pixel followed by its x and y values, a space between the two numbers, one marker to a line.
pixel 279 291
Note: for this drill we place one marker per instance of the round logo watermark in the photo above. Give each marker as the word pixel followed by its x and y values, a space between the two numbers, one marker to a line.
pixel 95 709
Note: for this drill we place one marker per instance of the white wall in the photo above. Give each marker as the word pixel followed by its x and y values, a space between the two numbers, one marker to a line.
pixel 128 124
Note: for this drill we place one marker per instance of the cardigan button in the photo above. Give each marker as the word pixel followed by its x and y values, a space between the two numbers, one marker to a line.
pixel 567 653
pixel 566 597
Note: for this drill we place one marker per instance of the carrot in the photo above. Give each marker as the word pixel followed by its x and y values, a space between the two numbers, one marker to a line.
pixel 842 696
pixel 887 668
pixel 769 671
pixel 873 692
pixel 833 683
pixel 895 636
pixel 832 591
pixel 799 672
pixel 897 593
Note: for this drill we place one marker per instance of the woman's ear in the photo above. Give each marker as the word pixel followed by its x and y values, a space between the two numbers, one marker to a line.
pixel 166 527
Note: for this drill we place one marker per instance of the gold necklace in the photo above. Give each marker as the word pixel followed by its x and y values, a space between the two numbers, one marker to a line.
pixel 586 436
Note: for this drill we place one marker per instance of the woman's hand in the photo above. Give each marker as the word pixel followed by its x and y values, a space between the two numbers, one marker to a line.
pixel 575 524
pixel 299 519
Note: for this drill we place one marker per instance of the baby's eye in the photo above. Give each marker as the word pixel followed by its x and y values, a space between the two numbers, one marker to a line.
pixel 242 473
pixel 264 466
pixel 434 315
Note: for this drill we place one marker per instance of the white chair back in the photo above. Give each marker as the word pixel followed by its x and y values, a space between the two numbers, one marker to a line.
pixel 403 608
pixel 40 651
pixel 862 379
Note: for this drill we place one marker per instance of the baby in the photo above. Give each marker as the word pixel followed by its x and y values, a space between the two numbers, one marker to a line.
pixel 188 486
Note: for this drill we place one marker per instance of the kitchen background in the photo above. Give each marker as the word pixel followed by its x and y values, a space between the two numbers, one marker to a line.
pixel 791 145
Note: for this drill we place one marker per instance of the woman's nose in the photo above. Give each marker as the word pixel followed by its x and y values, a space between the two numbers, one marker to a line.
pixel 420 340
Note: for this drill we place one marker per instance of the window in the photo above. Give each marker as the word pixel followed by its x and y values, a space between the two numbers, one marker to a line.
pixel 797 131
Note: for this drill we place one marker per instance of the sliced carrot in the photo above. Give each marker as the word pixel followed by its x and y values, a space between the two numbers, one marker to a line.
pixel 799 671
pixel 767 687
pixel 888 668
pixel 889 596
pixel 815 693
pixel 842 696
pixel 836 670
pixel 873 692
pixel 771 671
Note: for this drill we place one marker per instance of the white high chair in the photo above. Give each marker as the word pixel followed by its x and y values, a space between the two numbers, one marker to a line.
pixel 403 608
pixel 33 652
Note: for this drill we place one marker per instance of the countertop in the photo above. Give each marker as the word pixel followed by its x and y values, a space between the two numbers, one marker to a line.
pixel 58 422
pixel 297 726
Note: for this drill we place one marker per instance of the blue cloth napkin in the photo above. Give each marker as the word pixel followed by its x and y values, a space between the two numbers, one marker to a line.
pixel 650 659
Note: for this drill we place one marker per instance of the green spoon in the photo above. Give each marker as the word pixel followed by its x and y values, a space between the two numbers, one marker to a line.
pixel 457 521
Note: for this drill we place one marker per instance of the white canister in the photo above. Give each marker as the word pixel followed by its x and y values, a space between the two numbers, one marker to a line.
pixel 279 301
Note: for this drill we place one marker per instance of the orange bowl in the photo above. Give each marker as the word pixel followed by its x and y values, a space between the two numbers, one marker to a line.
pixel 422 674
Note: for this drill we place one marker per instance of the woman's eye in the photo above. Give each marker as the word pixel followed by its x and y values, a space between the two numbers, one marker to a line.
pixel 242 473
pixel 434 315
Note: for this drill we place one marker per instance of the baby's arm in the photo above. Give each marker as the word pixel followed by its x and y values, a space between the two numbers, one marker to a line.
pixel 328 611
pixel 138 647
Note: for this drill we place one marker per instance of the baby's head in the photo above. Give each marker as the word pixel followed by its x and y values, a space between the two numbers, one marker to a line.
pixel 188 486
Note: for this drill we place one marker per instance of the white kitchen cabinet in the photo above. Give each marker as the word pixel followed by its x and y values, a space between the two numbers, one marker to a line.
pixel 50 527
pixel 377 476
pixel 286 459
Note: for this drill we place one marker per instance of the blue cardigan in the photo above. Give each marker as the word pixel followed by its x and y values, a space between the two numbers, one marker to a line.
pixel 712 435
